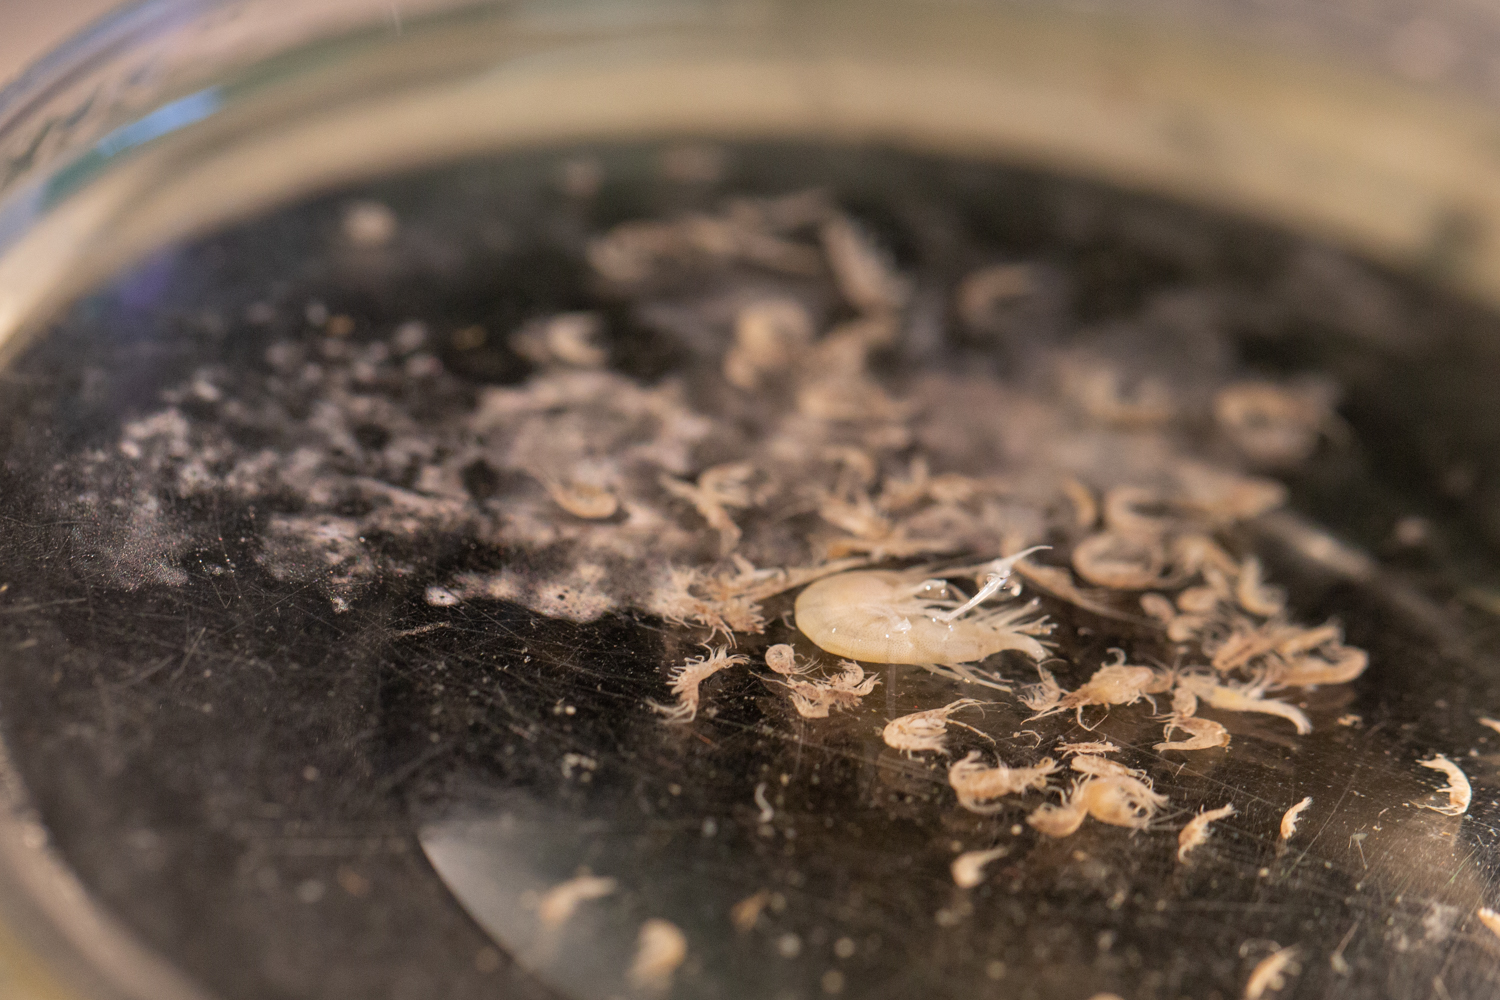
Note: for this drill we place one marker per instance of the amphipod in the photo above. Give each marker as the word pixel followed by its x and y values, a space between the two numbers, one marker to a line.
pixel 881 616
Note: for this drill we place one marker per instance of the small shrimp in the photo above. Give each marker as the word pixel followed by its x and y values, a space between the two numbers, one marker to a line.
pixel 968 867
pixel 585 500
pixel 1203 734
pixel 746 913
pixel 1120 800
pixel 978 785
pixel 1042 696
pixel 861 270
pixel 1112 684
pixel 1270 973
pixel 1121 562
pixel 1490 919
pixel 768 336
pixel 1196 831
pixel 692 673
pixel 1094 747
pixel 813 698
pixel 1459 792
pixel 1103 767
pixel 1292 817
pixel 718 488
pixel 1254 595
pixel 884 616
pixel 782 659
pixel 925 730
pixel 660 948
pixel 558 903
pixel 1059 583
pixel 1234 699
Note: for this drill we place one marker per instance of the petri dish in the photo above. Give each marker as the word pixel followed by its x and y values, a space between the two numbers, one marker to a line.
pixel 493 497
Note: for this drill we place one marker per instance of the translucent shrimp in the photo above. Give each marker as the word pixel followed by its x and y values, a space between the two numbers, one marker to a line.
pixel 1203 734
pixel 1120 800
pixel 1270 974
pixel 660 949
pixel 1112 684
pixel 1235 699
pixel 882 616
pixel 979 787
pixel 557 905
pixel 1292 817
pixel 926 730
pixel 813 698
pixel 1196 831
pixel 968 868
pixel 687 678
pixel 1459 792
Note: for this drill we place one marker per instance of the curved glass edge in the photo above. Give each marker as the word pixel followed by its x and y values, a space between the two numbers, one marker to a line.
pixel 56 943
pixel 138 59
pixel 1405 175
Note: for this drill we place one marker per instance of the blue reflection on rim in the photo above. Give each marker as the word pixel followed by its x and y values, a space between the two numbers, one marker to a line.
pixel 168 118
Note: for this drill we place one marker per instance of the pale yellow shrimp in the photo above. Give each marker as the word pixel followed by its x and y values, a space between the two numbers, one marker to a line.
pixel 814 697
pixel 925 730
pixel 1093 747
pixel 1103 767
pixel 1490 919
pixel 884 616
pixel 1234 699
pixel 979 786
pixel 557 904
pixel 1113 684
pixel 1120 800
pixel 1459 792
pixel 660 949
pixel 1203 734
pixel 1196 831
pixel 1292 817
pixel 783 660
pixel 1270 973
pixel 1044 695
pixel 692 673
pixel 968 868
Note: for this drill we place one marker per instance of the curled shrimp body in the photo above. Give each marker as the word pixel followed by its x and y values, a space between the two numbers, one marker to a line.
pixel 884 616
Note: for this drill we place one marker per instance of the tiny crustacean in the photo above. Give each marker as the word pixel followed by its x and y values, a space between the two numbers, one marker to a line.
pixel 903 616
pixel 924 731
pixel 1115 683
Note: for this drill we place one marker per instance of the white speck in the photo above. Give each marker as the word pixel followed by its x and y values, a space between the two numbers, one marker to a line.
pixel 441 597
pixel 789 946
pixel 310 891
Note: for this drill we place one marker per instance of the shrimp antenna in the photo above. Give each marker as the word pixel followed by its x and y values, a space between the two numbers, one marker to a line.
pixel 1000 572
